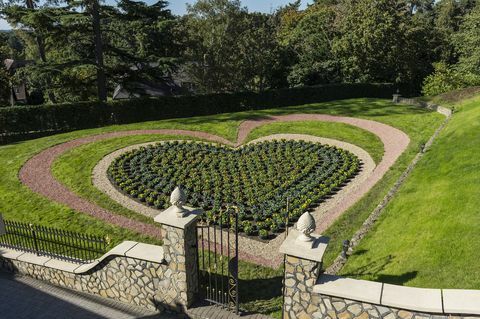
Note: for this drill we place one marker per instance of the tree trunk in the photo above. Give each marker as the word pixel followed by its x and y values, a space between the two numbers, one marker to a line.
pixel 41 49
pixel 101 77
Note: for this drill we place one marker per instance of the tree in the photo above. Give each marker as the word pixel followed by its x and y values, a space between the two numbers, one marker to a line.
pixel 140 44
pixel 371 40
pixel 227 49
pixel 261 60
pixel 208 34
pixel 467 42
pixel 449 15
pixel 311 40
pixel 4 79
pixel 130 38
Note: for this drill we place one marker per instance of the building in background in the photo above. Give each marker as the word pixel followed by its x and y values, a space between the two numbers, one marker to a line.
pixel 18 91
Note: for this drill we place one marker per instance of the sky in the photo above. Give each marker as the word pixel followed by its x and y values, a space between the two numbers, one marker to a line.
pixel 178 6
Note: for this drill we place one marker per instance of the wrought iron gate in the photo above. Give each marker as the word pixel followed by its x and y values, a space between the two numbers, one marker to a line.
pixel 218 259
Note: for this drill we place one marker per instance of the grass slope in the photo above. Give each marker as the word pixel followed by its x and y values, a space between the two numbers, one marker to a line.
pixel 428 236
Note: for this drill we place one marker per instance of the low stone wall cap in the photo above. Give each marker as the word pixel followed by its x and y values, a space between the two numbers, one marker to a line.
pixel 291 247
pixel 130 249
pixel 147 252
pixel 169 217
pixel 416 299
pixel 352 289
pixel 459 301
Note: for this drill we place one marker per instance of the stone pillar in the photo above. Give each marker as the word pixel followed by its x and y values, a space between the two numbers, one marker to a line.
pixel 303 262
pixel 396 98
pixel 180 283
pixel 2 226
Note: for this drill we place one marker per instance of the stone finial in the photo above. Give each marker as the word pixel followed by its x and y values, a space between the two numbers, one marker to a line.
pixel 306 226
pixel 177 200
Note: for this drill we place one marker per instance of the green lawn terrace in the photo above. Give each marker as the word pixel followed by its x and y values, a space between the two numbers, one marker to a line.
pixel 72 170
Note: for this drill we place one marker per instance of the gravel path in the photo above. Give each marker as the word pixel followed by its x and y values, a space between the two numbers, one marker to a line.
pixel 37 175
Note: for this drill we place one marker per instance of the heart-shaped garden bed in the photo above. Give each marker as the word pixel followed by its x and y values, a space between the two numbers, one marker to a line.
pixel 258 178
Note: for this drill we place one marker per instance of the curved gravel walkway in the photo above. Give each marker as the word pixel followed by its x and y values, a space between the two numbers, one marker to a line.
pixel 36 173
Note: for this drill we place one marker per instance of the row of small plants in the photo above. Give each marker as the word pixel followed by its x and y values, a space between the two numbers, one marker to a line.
pixel 257 178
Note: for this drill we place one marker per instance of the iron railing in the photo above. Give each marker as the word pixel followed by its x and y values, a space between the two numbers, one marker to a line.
pixel 52 242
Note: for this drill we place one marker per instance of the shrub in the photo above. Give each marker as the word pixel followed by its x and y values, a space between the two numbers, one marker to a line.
pixel 263 233
pixel 447 78
pixel 21 122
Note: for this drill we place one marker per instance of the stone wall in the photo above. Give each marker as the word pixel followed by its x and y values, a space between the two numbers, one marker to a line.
pixel 181 256
pixel 309 294
pixel 133 281
pixel 300 278
pixel 304 300
pixel 154 277
pixel 331 307
pixel 428 105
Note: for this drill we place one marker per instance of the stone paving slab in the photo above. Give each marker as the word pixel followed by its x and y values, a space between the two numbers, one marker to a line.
pixel 28 298
pixel 205 311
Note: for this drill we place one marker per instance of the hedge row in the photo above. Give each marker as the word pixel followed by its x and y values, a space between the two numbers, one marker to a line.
pixel 23 122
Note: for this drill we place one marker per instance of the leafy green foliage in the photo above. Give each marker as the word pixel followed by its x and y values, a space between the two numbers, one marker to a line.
pixel 312 39
pixel 448 78
pixel 24 122
pixel 256 178
pixel 4 79
pixel 467 42
pixel 136 43
pixel 221 39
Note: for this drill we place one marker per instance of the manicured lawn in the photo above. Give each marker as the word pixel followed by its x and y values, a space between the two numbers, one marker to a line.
pixel 339 131
pixel 74 169
pixel 428 236
pixel 19 203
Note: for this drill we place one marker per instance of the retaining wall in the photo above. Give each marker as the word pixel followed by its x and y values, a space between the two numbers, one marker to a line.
pixel 431 106
pixel 133 273
pixel 310 295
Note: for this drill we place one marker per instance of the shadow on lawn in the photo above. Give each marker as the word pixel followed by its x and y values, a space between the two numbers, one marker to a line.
pixel 351 107
pixel 374 271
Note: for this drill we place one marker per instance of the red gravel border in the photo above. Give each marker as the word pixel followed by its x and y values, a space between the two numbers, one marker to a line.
pixel 37 175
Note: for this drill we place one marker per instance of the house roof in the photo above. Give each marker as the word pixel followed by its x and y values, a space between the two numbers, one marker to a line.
pixel 11 64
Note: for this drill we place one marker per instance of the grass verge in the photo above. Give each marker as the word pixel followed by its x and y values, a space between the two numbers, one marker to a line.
pixel 428 235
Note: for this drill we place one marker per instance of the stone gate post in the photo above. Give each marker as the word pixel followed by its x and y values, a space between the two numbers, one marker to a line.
pixel 180 246
pixel 303 261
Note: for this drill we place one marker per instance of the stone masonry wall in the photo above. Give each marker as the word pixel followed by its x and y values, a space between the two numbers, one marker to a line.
pixel 331 307
pixel 300 277
pixel 181 256
pixel 172 285
pixel 128 280
pixel 301 302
